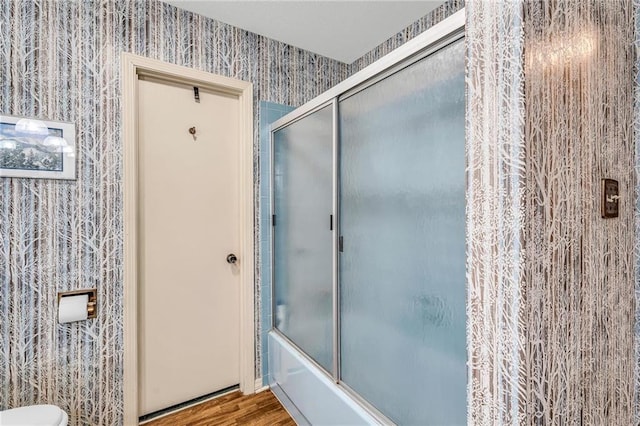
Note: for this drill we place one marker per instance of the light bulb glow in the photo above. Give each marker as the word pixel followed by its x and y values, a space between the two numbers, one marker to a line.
pixel 565 49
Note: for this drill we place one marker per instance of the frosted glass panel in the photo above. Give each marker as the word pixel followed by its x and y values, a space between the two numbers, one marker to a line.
pixel 303 254
pixel 403 221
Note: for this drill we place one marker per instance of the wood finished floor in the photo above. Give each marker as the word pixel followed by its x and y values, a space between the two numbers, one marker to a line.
pixel 262 409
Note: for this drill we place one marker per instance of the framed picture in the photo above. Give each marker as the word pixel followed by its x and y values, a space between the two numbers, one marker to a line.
pixel 32 148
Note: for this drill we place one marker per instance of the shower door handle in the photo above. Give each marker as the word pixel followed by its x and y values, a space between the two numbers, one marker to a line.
pixel 232 258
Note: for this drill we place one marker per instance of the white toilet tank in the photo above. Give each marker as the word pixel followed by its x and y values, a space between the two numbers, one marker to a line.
pixel 34 415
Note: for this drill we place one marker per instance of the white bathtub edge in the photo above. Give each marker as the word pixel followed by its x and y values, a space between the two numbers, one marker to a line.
pixel 314 395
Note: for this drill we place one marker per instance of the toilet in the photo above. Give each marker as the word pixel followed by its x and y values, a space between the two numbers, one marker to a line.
pixel 34 415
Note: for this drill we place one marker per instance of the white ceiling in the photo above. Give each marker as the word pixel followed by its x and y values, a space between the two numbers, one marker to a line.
pixel 342 30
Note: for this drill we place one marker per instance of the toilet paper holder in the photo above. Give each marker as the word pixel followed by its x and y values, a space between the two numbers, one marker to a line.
pixel 92 304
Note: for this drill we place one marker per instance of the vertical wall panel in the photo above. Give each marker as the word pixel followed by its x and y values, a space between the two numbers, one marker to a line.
pixel 565 302
pixel 580 274
pixel 636 141
pixel 60 60
pixel 495 212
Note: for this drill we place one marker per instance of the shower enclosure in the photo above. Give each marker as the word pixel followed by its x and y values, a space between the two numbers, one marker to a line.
pixel 368 228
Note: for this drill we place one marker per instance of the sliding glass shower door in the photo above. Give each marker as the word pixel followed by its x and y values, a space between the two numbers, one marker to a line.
pixel 402 221
pixel 375 292
pixel 303 236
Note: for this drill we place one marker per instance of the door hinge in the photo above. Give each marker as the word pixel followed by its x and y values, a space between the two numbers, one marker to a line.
pixel 273 220
pixel 341 244
pixel 330 222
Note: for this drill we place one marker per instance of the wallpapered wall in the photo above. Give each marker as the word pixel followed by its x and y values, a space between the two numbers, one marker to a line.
pixel 636 203
pixel 580 270
pixel 551 283
pixel 495 198
pixel 60 60
pixel 418 27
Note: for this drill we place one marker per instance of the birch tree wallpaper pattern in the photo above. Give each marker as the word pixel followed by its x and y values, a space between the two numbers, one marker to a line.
pixel 495 213
pixel 440 13
pixel 580 269
pixel 60 60
pixel 636 204
pixel 551 302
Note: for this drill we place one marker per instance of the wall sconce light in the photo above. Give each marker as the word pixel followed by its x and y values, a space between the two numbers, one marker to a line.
pixel 563 49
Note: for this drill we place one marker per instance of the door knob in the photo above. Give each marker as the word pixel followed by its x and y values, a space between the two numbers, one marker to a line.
pixel 232 259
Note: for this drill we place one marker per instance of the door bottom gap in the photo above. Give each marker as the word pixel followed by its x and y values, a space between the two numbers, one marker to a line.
pixel 187 404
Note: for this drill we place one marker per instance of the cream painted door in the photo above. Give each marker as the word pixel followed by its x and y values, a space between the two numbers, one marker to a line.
pixel 189 308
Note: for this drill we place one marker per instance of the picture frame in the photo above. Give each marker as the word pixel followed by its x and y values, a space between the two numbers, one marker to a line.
pixel 34 148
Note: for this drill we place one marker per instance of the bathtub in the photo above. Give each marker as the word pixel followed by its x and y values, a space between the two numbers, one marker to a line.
pixel 307 393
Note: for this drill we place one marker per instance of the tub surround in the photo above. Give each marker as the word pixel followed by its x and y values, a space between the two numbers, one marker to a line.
pixel 269 113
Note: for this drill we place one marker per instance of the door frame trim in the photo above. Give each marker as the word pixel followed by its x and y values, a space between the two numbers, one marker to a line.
pixel 132 66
